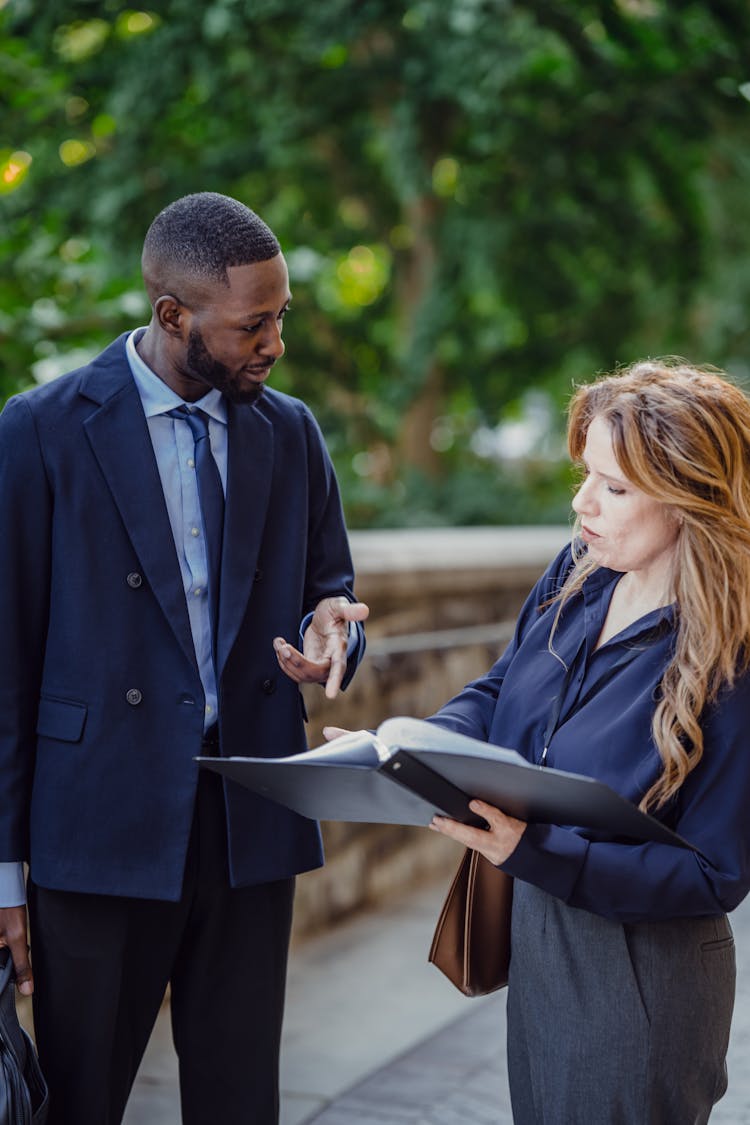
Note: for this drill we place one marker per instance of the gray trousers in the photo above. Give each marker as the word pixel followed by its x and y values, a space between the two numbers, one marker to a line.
pixel 616 1024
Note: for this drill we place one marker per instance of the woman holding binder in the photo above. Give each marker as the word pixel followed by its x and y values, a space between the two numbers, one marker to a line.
pixel 630 664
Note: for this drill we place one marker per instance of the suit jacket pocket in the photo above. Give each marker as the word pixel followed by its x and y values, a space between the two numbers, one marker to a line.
pixel 62 719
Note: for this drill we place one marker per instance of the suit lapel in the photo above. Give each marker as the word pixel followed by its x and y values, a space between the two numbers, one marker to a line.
pixel 249 473
pixel 120 440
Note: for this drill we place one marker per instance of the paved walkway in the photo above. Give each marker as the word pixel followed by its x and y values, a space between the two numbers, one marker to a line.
pixel 375 1036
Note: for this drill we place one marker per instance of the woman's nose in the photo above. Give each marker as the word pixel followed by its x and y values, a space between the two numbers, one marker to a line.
pixel 582 499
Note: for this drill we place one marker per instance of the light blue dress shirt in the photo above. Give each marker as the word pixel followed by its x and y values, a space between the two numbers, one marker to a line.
pixel 12 889
pixel 173 445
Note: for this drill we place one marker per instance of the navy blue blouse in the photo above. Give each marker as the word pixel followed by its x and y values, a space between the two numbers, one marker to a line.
pixel 604 731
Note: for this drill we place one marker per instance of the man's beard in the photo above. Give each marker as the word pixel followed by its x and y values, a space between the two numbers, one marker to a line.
pixel 201 364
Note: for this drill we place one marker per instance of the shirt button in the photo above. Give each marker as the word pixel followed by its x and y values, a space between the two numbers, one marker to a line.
pixel 134 580
pixel 133 696
pixel 191 463
pixel 198 591
pixel 194 531
pixel 209 709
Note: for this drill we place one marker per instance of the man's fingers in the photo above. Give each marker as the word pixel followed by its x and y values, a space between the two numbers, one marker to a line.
pixel 14 935
pixel 354 611
pixel 338 609
pixel 290 660
pixel 290 657
pixel 284 651
pixel 297 666
pixel 24 975
pixel 335 676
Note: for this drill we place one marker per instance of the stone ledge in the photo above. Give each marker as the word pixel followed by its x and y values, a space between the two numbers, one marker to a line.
pixel 440 548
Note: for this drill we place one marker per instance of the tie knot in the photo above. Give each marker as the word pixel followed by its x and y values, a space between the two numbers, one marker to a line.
pixel 196 419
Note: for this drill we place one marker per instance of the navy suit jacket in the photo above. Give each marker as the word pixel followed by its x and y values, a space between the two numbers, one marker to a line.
pixel 101 704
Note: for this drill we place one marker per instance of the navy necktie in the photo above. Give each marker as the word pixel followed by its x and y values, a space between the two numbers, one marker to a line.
pixel 211 495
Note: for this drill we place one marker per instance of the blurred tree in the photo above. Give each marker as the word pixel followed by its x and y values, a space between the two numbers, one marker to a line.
pixel 475 196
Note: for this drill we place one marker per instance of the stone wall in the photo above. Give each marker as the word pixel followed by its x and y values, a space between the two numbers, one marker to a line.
pixel 442 608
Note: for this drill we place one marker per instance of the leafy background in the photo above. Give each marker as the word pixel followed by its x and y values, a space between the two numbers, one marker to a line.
pixel 482 203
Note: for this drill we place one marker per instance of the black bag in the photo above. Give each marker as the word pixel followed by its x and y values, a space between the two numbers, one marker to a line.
pixel 23 1091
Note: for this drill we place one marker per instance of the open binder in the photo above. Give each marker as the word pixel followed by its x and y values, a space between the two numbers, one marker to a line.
pixel 411 769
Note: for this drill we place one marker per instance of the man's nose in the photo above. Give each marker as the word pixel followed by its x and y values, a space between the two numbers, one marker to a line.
pixel 272 343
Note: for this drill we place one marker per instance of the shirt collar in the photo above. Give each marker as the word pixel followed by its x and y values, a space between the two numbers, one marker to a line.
pixel 157 397
pixel 597 592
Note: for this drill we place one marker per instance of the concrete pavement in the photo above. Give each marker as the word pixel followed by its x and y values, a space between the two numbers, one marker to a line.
pixel 374 1035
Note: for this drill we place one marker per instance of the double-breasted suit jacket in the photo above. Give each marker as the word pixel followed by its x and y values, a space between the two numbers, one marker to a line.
pixel 101 704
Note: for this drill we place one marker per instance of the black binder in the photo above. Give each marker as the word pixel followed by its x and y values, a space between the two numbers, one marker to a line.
pixel 411 769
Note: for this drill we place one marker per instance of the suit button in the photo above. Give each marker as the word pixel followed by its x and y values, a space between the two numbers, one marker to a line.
pixel 258 575
pixel 269 686
pixel 133 696
pixel 134 580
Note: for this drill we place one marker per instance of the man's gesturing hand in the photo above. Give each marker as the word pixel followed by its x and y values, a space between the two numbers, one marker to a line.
pixel 323 659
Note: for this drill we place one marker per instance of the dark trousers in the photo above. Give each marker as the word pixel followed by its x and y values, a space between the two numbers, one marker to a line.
pixel 101 967
pixel 613 1023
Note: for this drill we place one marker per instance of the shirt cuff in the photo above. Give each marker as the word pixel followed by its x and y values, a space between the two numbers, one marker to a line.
pixel 12 887
pixel 550 857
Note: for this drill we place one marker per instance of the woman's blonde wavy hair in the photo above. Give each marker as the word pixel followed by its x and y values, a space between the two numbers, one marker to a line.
pixel 681 434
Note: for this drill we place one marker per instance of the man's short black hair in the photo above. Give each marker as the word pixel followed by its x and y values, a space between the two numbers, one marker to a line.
pixel 201 236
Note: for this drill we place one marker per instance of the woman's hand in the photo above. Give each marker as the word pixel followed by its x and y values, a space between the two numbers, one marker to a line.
pixel 331 733
pixel 496 843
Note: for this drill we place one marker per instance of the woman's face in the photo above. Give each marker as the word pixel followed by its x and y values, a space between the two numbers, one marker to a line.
pixel 625 529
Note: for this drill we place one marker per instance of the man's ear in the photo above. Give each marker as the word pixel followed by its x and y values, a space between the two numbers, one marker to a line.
pixel 172 316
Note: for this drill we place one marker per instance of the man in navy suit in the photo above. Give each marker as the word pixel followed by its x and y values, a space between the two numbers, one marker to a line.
pixel 168 523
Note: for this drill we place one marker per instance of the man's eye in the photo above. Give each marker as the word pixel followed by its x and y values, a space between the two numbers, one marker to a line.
pixel 253 327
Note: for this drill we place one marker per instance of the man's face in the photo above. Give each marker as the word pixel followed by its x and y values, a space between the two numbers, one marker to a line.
pixel 234 333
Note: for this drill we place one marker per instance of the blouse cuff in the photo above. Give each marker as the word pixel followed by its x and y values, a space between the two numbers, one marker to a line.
pixel 550 857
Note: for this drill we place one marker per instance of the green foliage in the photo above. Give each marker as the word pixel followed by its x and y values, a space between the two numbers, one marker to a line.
pixel 475 197
pixel 474 493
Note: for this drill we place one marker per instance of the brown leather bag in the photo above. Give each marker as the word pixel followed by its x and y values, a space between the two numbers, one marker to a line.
pixel 472 937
